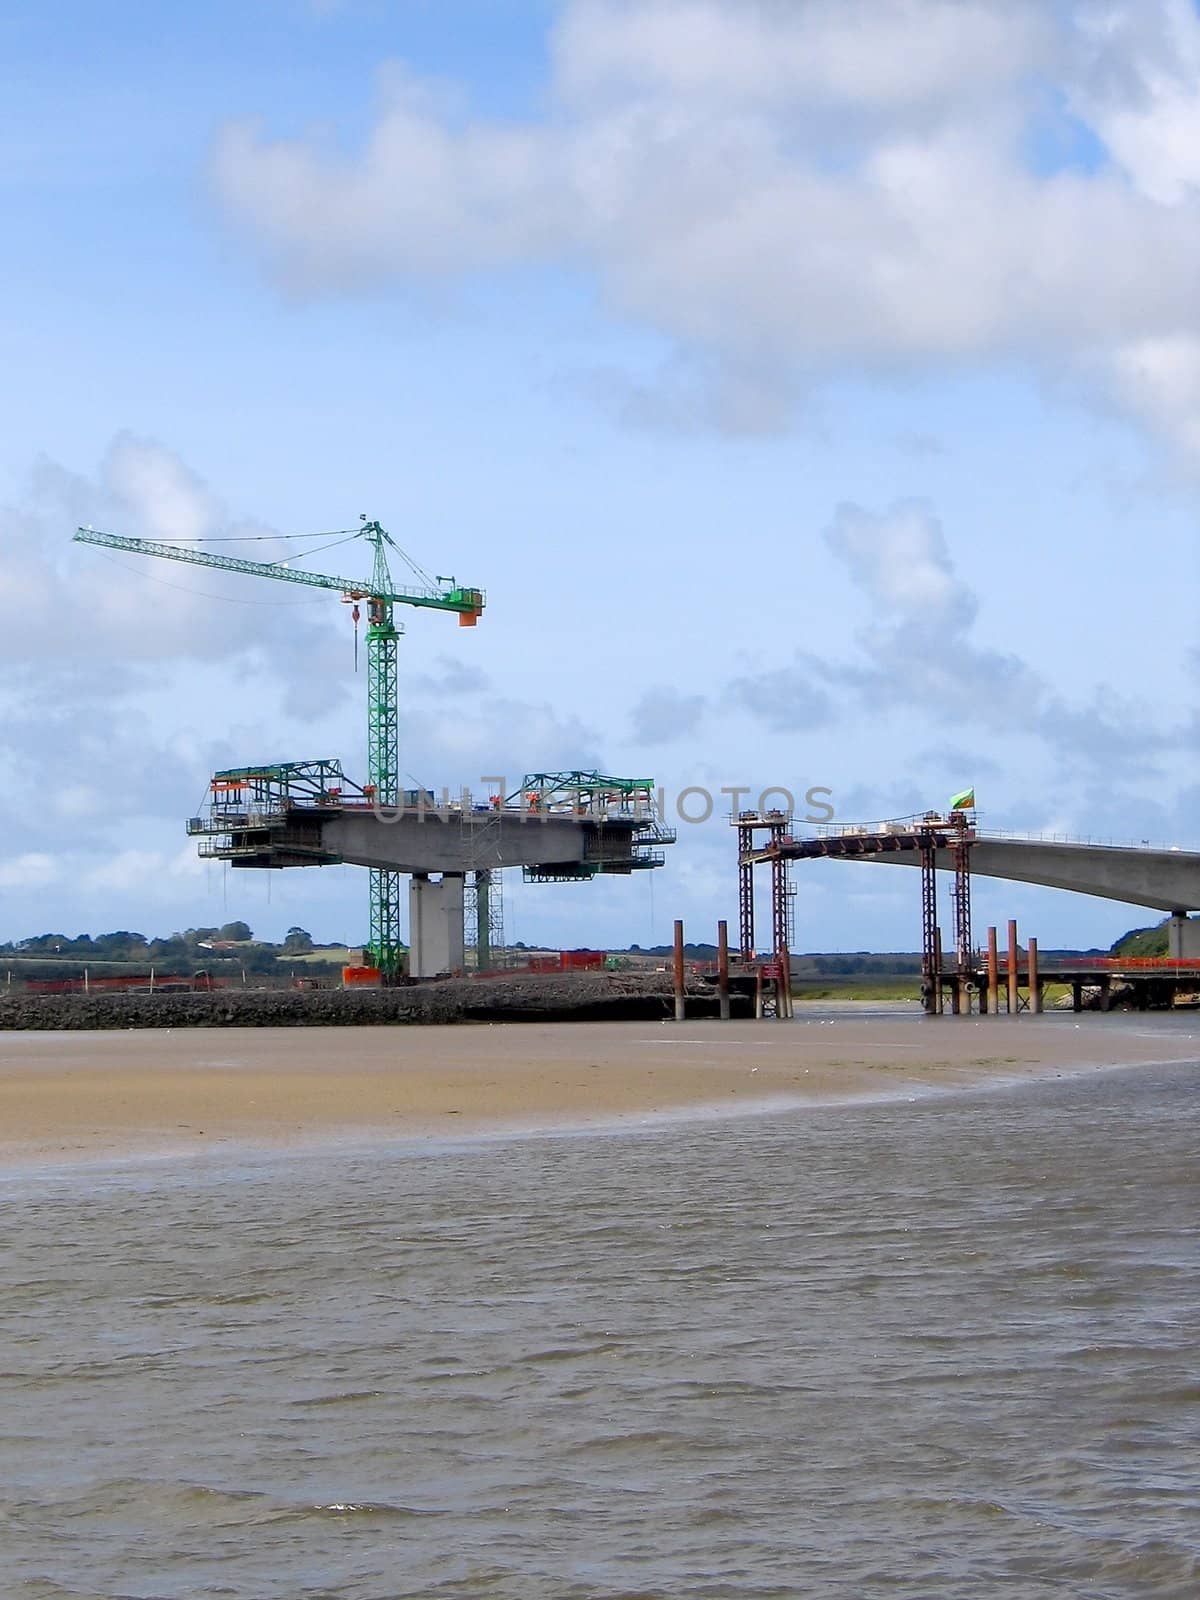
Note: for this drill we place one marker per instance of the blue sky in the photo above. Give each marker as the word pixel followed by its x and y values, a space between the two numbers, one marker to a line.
pixel 812 412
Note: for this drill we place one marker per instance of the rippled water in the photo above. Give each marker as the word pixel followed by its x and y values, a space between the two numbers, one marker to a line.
pixel 936 1348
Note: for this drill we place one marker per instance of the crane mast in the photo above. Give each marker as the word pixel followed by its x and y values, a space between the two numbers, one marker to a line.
pixel 383 754
pixel 383 710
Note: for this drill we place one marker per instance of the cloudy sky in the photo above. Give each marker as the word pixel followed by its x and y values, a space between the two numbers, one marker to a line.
pixel 814 386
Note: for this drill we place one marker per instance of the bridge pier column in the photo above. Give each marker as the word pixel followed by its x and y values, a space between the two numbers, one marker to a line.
pixel 1183 936
pixel 435 921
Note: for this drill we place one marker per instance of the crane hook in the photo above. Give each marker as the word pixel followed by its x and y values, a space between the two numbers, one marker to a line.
pixel 354 615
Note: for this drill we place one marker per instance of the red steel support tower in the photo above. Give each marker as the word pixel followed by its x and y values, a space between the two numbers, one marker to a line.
pixel 745 841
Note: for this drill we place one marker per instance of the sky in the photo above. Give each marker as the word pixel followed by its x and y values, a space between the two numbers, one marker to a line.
pixel 812 385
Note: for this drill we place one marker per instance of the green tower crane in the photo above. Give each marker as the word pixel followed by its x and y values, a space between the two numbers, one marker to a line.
pixel 383 632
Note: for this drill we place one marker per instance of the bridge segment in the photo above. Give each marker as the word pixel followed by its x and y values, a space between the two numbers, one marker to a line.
pixel 1164 880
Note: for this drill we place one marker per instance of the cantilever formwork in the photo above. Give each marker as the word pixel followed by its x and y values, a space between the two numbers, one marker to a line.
pixel 623 815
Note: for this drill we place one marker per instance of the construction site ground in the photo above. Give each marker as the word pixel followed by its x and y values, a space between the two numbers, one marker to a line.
pixel 581 997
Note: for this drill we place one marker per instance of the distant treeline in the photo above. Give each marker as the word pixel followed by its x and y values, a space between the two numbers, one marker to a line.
pixel 227 949
pixel 232 947
pixel 837 964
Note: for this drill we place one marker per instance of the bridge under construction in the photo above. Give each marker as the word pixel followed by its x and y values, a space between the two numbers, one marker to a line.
pixel 1162 879
pixel 570 827
pixel 559 827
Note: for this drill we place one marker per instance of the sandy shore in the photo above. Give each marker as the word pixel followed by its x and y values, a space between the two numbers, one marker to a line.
pixel 73 1096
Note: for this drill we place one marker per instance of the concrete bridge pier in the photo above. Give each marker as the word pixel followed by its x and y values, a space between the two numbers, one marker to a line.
pixel 1183 936
pixel 435 921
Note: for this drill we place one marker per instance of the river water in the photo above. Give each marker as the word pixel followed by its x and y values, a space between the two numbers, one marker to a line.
pixel 938 1347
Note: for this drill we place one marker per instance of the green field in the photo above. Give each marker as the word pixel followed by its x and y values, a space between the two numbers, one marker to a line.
pixel 338 954
pixel 856 987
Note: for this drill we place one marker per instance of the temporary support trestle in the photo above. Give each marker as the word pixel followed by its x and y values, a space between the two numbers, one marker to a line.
pixel 773 981
pixel 934 975
pixel 745 839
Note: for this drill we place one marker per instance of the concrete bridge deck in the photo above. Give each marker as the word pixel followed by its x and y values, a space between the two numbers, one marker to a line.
pixel 450 840
pixel 1162 879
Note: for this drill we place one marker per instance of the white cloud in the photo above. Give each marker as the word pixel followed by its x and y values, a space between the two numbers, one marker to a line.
pixel 792 698
pixel 77 800
pixel 902 561
pixel 160 491
pixel 789 187
pixel 134 871
pixel 1159 379
pixel 68 610
pixel 665 714
pixel 1138 85
pixel 34 869
pixel 922 654
pixel 503 733
pixel 903 54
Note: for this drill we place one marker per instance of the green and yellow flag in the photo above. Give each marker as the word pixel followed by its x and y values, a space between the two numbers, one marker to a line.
pixel 963 801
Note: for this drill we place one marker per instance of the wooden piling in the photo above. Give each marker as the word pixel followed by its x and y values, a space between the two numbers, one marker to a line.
pixel 680 1002
pixel 1035 986
pixel 938 1000
pixel 993 973
pixel 723 970
pixel 1014 971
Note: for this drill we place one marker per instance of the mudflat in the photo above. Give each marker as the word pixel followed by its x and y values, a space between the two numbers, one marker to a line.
pixel 97 1096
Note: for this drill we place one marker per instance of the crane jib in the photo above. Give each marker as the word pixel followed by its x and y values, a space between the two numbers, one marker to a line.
pixel 467 602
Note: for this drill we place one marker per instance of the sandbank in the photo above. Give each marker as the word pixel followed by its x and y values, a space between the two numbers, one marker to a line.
pixel 96 1096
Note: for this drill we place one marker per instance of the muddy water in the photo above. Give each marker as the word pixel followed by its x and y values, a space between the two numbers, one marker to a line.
pixel 944 1346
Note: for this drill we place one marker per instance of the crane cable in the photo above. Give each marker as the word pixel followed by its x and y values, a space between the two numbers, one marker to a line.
pixel 203 594
pixel 306 553
pixel 341 536
pixel 260 538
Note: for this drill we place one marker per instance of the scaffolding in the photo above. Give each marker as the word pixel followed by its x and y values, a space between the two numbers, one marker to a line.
pixel 483 918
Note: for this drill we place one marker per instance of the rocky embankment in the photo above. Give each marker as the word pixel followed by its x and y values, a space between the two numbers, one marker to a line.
pixel 569 997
